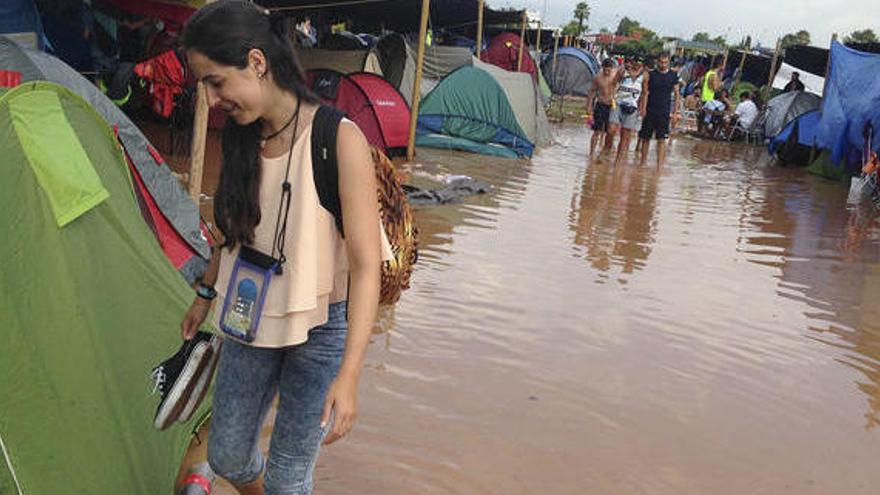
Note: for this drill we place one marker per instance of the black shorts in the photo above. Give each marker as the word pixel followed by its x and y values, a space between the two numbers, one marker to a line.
pixel 655 125
pixel 601 113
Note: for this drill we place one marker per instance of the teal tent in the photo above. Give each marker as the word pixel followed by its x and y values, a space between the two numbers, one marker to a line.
pixel 468 110
pixel 89 304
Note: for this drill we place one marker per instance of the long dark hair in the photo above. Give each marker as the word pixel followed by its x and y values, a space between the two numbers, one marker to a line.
pixel 225 32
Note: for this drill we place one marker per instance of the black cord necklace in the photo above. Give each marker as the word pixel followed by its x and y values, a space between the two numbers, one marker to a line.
pixel 264 140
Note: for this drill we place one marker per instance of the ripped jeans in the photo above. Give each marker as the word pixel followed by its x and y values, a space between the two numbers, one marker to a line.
pixel 247 381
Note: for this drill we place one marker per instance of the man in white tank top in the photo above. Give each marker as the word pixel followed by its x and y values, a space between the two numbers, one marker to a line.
pixel 625 113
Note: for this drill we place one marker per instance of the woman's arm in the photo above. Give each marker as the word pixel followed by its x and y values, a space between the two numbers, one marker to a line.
pixel 357 195
pixel 199 308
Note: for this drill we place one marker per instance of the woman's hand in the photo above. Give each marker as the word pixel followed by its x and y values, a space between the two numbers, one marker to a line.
pixel 342 399
pixel 194 317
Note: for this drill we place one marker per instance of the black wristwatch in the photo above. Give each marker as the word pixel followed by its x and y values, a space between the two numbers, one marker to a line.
pixel 206 292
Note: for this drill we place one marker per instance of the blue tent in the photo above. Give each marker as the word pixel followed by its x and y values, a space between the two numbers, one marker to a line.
pixel 794 143
pixel 852 101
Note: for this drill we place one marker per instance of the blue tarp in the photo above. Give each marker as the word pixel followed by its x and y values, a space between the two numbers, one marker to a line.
pixel 852 99
pixel 19 16
pixel 808 126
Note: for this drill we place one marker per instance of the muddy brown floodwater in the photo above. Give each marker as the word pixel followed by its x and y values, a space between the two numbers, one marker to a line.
pixel 710 327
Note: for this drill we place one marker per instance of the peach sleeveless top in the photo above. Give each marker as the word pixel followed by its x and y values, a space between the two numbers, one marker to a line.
pixel 316 272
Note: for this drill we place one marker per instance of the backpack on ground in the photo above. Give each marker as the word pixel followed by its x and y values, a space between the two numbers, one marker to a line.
pixel 394 209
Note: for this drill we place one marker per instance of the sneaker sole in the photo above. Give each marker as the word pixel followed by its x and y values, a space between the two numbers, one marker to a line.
pixel 177 397
pixel 203 382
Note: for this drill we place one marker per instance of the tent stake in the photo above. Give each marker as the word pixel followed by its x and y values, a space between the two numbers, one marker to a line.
pixel 522 42
pixel 420 61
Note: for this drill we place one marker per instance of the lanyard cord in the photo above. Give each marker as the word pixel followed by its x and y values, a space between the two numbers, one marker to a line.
pixel 281 227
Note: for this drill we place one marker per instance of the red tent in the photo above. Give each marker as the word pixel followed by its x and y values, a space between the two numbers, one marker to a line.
pixel 503 51
pixel 369 101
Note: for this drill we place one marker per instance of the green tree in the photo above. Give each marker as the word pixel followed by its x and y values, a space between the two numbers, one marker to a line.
pixel 801 37
pixel 582 14
pixel 626 26
pixel 605 30
pixel 863 36
pixel 572 29
pixel 703 37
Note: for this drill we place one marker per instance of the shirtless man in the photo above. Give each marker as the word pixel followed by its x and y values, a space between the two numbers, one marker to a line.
pixel 600 99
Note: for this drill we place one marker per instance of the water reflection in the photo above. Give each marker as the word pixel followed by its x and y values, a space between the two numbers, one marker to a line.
pixel 613 216
pixel 827 255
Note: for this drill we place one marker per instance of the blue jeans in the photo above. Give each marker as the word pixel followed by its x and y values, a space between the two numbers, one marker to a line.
pixel 247 380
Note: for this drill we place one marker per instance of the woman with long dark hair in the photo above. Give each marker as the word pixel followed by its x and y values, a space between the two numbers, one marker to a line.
pixel 321 302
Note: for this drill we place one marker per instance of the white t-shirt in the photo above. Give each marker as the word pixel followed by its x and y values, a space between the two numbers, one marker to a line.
pixel 629 90
pixel 747 112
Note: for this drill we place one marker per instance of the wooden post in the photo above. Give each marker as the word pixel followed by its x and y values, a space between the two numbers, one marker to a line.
pixel 724 61
pixel 828 64
pixel 739 70
pixel 479 28
pixel 538 40
pixel 814 149
pixel 522 42
pixel 420 61
pixel 197 147
pixel 555 49
pixel 772 70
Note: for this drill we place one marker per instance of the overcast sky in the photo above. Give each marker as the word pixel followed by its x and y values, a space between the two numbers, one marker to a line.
pixel 765 20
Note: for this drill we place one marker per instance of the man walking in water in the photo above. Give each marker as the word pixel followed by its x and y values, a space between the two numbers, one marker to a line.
pixel 658 87
pixel 625 114
pixel 600 99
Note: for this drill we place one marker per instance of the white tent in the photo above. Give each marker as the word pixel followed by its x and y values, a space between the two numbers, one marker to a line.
pixel 812 83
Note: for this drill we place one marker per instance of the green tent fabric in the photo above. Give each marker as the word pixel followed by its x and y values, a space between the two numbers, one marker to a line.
pixel 87 311
pixel 469 104
pixel 54 153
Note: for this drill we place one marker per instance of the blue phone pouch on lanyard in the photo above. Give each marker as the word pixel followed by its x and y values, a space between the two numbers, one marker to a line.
pixel 246 293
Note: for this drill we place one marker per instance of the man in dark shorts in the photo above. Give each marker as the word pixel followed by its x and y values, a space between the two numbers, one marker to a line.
pixel 658 87
pixel 600 99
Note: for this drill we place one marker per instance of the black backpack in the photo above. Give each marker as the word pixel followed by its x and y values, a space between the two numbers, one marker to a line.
pixel 395 211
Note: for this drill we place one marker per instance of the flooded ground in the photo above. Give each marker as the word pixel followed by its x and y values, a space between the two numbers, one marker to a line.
pixel 709 327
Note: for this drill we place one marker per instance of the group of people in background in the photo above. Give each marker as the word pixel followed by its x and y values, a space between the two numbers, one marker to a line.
pixel 632 97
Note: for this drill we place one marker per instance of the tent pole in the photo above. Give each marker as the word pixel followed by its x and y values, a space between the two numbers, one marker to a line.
pixel 420 61
pixel 739 70
pixel 197 147
pixel 724 60
pixel 814 148
pixel 555 48
pixel 479 29
pixel 772 70
pixel 538 39
pixel 522 42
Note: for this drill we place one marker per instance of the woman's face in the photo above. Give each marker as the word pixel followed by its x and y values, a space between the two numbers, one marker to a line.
pixel 239 92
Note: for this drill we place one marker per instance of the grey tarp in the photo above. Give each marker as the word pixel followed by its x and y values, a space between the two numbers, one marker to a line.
pixel 439 62
pixel 525 99
pixel 786 107
pixel 170 197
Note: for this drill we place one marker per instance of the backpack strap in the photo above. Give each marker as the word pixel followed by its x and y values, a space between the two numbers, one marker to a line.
pixel 325 169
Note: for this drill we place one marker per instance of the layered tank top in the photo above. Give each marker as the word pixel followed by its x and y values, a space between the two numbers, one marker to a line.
pixel 316 272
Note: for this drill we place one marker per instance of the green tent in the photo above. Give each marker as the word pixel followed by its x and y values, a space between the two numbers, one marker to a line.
pixel 89 305
pixel 468 110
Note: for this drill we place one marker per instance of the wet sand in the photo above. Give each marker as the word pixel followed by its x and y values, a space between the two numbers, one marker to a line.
pixel 709 327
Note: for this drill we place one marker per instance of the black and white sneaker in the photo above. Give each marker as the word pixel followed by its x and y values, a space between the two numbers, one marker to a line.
pixel 203 380
pixel 175 378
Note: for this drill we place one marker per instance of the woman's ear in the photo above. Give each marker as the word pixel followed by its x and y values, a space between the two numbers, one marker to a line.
pixel 257 62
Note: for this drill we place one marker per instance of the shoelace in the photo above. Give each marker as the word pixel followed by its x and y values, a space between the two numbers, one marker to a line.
pixel 158 376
